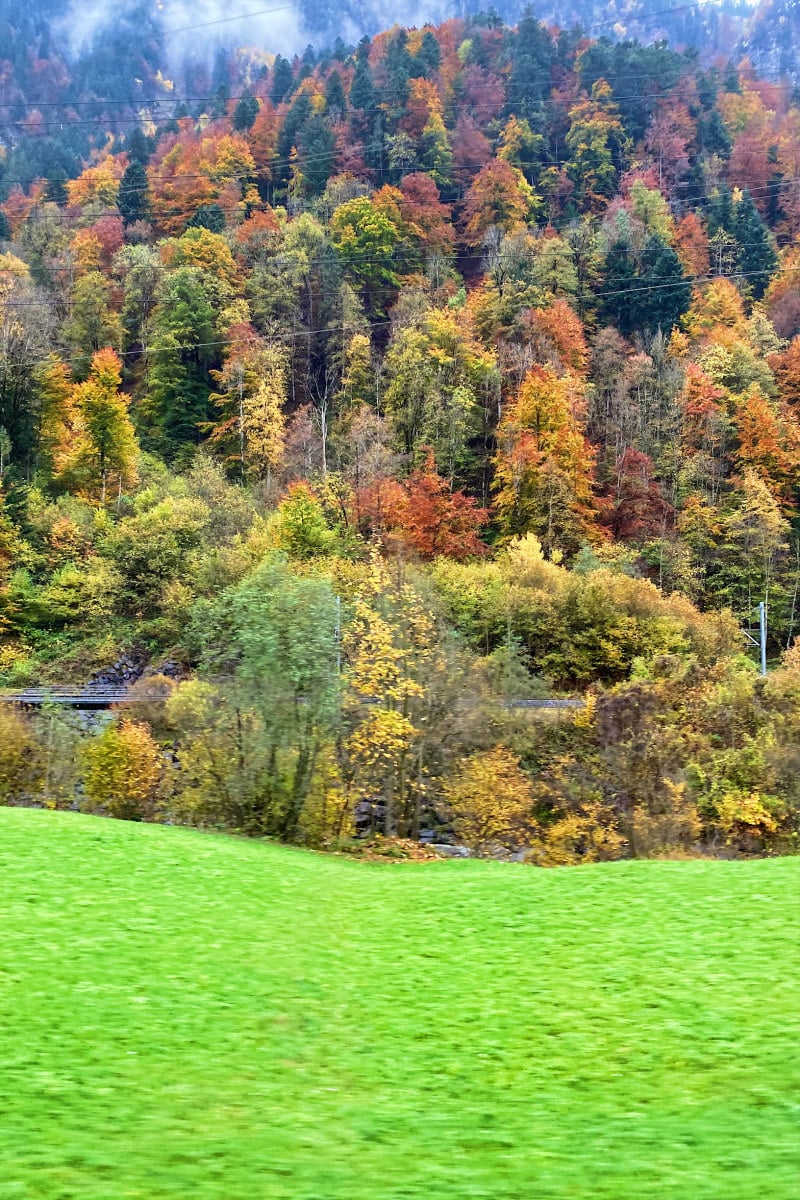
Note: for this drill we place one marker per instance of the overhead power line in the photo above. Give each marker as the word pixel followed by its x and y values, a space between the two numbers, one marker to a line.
pixel 292 335
pixel 262 12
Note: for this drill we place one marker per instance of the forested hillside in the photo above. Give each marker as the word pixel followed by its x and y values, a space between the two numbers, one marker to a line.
pixel 379 387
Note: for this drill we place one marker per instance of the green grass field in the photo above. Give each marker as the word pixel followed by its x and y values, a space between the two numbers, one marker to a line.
pixel 199 1017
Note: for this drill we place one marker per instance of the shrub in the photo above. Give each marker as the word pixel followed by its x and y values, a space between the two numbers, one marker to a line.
pixel 20 758
pixel 491 801
pixel 123 770
pixel 585 836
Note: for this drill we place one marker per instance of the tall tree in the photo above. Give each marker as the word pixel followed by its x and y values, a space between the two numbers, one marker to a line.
pixel 133 200
pixel 532 55
pixel 499 198
pixel 281 631
pixel 598 148
pixel 245 113
pixel 544 464
pixel 252 394
pixel 282 79
pixel 756 258
pixel 183 346
pixel 102 447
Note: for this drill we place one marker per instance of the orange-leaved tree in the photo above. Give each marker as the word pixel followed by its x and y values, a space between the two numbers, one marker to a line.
pixel 425 515
pixel 499 198
pixel 101 445
pixel 786 369
pixel 544 463
pixel 769 443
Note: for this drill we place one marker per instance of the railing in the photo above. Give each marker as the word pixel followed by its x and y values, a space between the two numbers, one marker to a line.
pixel 106 695
pixel 91 696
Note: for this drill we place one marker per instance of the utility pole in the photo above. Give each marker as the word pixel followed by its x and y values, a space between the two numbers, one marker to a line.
pixel 761 643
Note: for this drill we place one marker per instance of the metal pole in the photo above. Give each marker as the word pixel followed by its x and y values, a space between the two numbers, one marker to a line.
pixel 762 621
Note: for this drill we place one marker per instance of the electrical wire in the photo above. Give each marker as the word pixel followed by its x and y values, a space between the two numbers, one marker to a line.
pixel 291 335
pixel 263 12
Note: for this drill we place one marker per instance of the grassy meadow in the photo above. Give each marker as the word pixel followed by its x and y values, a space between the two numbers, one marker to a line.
pixel 193 1016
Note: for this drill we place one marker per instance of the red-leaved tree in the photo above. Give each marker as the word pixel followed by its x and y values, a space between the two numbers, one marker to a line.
pixel 423 515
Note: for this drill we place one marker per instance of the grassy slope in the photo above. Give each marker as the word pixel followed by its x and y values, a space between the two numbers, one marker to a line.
pixel 192 1016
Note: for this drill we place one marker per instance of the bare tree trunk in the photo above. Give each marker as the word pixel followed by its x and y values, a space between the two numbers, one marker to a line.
pixel 793 609
pixel 388 810
pixel 323 433
pixel 241 422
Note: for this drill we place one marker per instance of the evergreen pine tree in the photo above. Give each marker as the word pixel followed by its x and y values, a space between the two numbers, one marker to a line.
pixel 282 79
pixel 720 212
pixel 712 136
pixel 137 146
pixel 619 274
pixel 730 80
pixel 56 191
pixel 340 52
pixel 208 216
pixel 291 133
pixel 181 351
pixel 132 200
pixel 664 293
pixel 653 297
pixel 532 55
pixel 429 56
pixel 335 102
pixel 398 65
pixel 756 259
pixel 245 113
pixel 221 98
pixel 362 89
pixel 317 146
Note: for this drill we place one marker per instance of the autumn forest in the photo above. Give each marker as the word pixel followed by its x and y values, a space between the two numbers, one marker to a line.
pixel 358 398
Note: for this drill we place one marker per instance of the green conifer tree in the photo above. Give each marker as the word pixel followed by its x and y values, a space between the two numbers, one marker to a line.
pixel 756 259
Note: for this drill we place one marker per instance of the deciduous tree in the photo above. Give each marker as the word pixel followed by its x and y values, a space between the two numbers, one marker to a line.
pixel 544 463
pixel 101 447
pixel 492 802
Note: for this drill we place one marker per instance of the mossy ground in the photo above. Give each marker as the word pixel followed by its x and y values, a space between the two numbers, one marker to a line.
pixel 184 1015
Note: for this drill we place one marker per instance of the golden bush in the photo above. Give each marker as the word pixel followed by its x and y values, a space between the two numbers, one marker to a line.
pixel 123 771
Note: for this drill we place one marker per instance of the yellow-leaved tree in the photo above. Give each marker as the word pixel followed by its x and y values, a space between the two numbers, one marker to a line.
pixel 252 394
pixel 123 771
pixel 391 650
pixel 20 757
pixel 101 446
pixel 491 802
pixel 545 463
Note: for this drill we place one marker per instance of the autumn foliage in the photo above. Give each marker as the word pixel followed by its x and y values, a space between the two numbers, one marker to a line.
pixel 373 392
pixel 424 515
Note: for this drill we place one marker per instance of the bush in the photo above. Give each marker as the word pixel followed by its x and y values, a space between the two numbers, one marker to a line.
pixel 585 836
pixel 491 802
pixel 123 771
pixel 20 758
